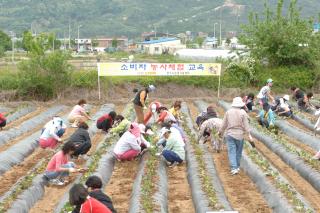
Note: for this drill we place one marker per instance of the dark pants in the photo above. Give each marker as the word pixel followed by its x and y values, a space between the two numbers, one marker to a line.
pixel 171 156
pixel 3 123
pixel 287 114
pixel 81 149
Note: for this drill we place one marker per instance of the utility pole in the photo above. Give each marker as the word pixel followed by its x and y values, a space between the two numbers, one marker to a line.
pixel 214 32
pixel 79 37
pixel 12 41
pixel 69 35
pixel 220 26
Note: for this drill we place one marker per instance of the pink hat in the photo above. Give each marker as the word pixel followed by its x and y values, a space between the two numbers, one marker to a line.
pixel 135 130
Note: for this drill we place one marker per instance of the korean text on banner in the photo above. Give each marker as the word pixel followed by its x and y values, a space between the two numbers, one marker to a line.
pixel 159 69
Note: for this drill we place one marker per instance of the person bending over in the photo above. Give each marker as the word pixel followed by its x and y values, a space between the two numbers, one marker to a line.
pixel 59 166
pixel 173 151
pixel 78 114
pixel 140 102
pixel 3 120
pixel 52 133
pixel 153 108
pixel 79 196
pixel 128 146
pixel 94 186
pixel 106 121
pixel 81 139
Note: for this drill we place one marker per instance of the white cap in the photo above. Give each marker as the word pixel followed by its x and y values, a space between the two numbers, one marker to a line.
pixel 286 97
pixel 152 88
pixel 237 102
pixel 153 108
pixel 163 131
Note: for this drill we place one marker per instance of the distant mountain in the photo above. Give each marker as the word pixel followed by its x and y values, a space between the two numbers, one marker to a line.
pixel 131 17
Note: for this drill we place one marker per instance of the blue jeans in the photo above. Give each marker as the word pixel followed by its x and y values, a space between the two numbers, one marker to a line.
pixel 171 156
pixel 234 152
pixel 58 174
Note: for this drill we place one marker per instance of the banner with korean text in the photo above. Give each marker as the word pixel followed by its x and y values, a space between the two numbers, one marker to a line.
pixel 159 69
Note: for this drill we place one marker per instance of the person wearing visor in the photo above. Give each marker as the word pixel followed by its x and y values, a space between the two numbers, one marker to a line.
pixel 152 111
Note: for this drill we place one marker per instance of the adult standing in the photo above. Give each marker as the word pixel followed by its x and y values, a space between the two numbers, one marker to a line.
pixel 78 114
pixel 264 95
pixel 140 102
pixel 236 124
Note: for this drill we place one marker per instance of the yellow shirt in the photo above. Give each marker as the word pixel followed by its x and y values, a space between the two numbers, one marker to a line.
pixel 175 113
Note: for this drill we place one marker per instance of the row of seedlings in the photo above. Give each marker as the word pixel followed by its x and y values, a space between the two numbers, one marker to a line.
pixel 204 194
pixel 27 126
pixel 20 178
pixel 209 164
pixel 241 184
pixel 296 158
pixel 19 151
pixel 101 164
pixel 36 191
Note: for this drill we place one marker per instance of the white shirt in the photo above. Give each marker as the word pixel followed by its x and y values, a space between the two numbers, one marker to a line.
pixel 283 104
pixel 126 142
pixel 263 92
pixel 52 127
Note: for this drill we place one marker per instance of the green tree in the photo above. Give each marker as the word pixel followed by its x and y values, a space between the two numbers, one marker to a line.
pixel 199 41
pixel 27 40
pixel 5 41
pixel 114 43
pixel 44 76
pixel 281 39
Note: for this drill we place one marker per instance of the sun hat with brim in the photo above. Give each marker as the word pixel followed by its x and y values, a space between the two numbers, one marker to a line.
pixel 237 102
pixel 163 131
pixel 286 97
pixel 269 80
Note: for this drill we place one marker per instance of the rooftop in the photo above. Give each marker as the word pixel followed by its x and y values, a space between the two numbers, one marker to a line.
pixel 159 41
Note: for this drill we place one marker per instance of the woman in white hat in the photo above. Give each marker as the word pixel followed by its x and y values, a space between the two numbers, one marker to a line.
pixel 152 111
pixel 235 125
pixel 284 108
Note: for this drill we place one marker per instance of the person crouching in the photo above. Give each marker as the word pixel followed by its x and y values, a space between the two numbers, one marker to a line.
pixel 173 151
pixel 128 146
pixel 81 139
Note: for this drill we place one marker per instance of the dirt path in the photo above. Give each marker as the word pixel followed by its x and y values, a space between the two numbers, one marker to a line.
pixel 179 195
pixel 120 185
pixel 27 134
pixel 239 189
pixel 11 177
pixel 53 194
pixel 241 192
pixel 299 183
pixel 24 118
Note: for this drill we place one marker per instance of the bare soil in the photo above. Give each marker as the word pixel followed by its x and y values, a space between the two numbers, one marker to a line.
pixel 27 134
pixel 299 183
pixel 24 118
pixel 120 185
pixel 239 189
pixel 179 195
pixel 12 176
pixel 54 194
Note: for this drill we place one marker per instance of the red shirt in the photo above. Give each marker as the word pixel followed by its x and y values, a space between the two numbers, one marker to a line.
pixel 104 117
pixel 93 206
pixel 2 118
pixel 57 161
